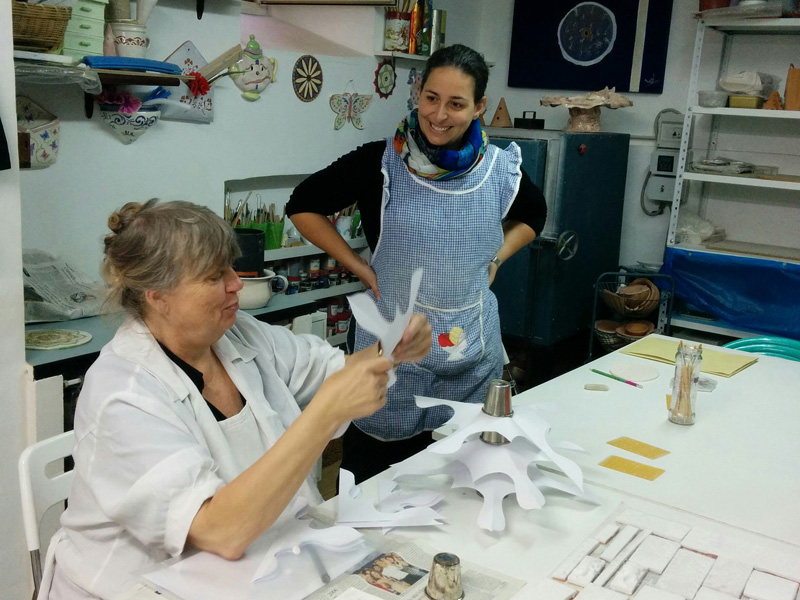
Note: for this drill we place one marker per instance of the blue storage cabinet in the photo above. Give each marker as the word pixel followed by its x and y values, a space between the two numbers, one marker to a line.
pixel 545 291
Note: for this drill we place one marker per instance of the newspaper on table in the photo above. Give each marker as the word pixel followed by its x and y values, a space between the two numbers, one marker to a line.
pixel 56 291
pixel 402 573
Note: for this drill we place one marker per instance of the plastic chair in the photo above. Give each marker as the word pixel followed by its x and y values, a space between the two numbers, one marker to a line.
pixel 39 492
pixel 769 346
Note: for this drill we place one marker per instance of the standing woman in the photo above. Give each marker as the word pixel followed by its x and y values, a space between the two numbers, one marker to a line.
pixel 438 196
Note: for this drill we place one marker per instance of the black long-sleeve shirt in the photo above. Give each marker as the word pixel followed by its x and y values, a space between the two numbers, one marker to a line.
pixel 357 177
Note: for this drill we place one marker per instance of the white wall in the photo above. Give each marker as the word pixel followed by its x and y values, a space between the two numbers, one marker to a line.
pixel 14 563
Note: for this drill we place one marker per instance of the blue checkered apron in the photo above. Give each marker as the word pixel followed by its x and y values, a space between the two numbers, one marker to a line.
pixel 451 229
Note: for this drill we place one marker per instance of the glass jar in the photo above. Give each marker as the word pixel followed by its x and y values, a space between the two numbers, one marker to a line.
pixel 688 360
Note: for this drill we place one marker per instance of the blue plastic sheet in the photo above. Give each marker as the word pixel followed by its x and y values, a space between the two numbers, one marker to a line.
pixel 750 293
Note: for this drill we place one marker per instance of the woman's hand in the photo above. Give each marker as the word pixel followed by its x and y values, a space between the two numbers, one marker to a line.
pixel 367 276
pixel 416 341
pixel 359 389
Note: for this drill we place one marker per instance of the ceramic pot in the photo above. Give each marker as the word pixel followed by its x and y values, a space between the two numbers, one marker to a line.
pixel 128 127
pixel 258 290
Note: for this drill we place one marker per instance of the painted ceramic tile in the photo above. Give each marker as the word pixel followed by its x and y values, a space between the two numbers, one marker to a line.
pixel 655 553
pixel 763 586
pixel 685 574
pixel 586 571
pixel 728 576
pixel 595 592
pixel 648 592
pixel 585 548
pixel 660 527
pixel 618 543
pixel 627 578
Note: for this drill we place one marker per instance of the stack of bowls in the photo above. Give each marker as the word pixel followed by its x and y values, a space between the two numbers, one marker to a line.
pixel 637 299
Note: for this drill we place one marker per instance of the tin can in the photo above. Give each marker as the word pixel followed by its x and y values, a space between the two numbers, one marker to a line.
pixel 416 27
pixel 330 263
pixel 313 266
pixel 333 310
pixel 438 27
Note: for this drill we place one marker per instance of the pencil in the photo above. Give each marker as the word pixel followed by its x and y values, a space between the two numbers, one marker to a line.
pixel 633 383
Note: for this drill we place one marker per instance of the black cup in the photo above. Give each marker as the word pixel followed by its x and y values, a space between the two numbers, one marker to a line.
pixel 251 243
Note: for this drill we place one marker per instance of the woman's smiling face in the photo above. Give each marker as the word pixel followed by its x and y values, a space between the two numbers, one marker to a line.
pixel 447 107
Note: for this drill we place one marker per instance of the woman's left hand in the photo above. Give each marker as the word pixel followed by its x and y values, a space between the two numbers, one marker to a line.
pixel 416 341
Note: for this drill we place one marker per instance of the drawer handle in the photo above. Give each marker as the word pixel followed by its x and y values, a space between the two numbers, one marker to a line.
pixel 87 9
pixel 84 44
pixel 84 26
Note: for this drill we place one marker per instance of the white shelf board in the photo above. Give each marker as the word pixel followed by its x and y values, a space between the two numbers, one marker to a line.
pixel 307 250
pixel 717 326
pixel 747 181
pixel 411 57
pixel 337 339
pixel 746 112
pixel 281 301
pixel 738 254
pixel 755 26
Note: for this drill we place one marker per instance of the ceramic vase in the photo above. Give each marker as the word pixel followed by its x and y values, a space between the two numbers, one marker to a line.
pixel 128 127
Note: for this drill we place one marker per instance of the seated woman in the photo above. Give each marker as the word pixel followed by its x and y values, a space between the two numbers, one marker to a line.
pixel 189 430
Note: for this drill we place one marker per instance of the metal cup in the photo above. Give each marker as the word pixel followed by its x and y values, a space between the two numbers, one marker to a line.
pixel 497 404
pixel 444 582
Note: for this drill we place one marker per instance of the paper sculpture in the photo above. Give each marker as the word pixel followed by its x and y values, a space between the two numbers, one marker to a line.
pixel 497 470
pixel 394 508
pixel 388 332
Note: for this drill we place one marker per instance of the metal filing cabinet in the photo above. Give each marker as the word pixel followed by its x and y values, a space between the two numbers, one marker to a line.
pixel 583 179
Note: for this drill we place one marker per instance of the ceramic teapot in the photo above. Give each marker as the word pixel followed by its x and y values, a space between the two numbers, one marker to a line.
pixel 253 72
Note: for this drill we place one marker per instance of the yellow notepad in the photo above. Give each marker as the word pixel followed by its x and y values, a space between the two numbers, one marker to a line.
pixel 631 467
pixel 637 447
pixel 714 363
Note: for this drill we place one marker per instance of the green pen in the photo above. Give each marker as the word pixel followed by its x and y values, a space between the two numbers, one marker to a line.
pixel 633 383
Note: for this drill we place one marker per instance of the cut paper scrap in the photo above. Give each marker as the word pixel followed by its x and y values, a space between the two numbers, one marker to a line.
pixel 637 447
pixel 206 576
pixel 631 467
pixel 369 318
pixel 496 470
pixel 357 511
pixel 714 363
pixel 292 534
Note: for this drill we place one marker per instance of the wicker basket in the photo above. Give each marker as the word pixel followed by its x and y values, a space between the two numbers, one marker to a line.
pixel 611 341
pixel 38 28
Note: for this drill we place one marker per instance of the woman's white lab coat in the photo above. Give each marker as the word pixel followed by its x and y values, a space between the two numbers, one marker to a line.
pixel 149 451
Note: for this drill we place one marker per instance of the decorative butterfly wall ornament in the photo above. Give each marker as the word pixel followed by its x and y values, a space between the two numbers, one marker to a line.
pixel 349 107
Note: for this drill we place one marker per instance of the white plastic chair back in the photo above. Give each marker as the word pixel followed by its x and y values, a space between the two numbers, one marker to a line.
pixel 39 492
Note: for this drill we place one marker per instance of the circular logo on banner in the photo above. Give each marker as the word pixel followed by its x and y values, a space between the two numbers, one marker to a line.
pixel 587 34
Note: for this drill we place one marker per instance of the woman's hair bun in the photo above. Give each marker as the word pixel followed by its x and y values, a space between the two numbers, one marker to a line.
pixel 120 219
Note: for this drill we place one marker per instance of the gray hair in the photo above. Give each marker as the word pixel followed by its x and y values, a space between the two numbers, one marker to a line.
pixel 155 246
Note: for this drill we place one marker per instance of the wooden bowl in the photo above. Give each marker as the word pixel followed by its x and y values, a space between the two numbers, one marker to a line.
pixel 606 326
pixel 614 301
pixel 636 329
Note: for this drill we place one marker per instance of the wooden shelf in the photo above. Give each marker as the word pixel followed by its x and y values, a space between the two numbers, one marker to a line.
pixel 758 113
pixel 307 250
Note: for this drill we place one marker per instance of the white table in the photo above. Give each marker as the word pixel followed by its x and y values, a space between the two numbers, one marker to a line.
pixel 739 463
pixel 737 466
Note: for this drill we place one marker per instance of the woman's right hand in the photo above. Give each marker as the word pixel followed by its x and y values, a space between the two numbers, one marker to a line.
pixel 359 389
pixel 367 276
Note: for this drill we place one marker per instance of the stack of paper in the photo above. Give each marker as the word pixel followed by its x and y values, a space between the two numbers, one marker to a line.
pixel 714 363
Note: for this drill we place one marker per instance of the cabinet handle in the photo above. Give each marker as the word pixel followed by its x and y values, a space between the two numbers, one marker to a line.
pixel 84 44
pixel 86 9
pixel 85 26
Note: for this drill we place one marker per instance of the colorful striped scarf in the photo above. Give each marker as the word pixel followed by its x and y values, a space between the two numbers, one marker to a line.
pixel 432 162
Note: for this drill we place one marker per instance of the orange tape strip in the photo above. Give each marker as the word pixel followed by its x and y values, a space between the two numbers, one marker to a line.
pixel 631 467
pixel 637 447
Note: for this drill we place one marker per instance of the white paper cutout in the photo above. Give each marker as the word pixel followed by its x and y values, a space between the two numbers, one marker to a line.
pixel 370 319
pixel 291 535
pixel 356 511
pixel 496 471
